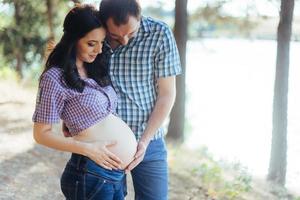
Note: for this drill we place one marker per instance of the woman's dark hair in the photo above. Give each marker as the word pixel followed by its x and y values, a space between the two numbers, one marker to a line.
pixel 78 22
pixel 119 10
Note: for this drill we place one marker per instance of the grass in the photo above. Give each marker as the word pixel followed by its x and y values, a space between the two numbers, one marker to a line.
pixel 195 175
pixel 205 178
pixel 7 73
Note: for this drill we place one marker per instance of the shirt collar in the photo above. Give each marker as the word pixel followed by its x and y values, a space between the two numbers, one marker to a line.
pixel 145 26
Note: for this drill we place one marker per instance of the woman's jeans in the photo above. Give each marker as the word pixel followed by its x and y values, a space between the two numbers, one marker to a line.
pixel 83 179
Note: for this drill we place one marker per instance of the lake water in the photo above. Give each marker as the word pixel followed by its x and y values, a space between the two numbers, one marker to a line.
pixel 229 102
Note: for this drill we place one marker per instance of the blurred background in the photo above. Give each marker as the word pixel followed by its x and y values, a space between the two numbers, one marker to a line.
pixel 221 129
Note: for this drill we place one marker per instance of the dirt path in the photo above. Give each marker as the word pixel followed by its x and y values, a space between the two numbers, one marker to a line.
pixel 27 170
pixel 31 172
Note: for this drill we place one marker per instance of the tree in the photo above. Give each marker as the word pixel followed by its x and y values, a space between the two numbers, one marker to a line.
pixel 211 20
pixel 76 1
pixel 18 40
pixel 177 118
pixel 49 4
pixel 278 160
pixel 158 11
pixel 23 39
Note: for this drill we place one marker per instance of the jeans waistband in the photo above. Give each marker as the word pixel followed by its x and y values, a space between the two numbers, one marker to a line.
pixel 85 164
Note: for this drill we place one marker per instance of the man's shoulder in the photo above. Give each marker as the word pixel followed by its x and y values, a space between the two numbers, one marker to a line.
pixel 154 25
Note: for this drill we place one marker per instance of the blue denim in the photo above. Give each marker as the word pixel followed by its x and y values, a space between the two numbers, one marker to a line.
pixel 150 177
pixel 83 179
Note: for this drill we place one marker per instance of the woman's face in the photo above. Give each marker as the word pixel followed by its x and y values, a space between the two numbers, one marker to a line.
pixel 89 46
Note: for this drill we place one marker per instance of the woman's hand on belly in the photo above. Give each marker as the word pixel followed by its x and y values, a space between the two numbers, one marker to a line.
pixel 112 128
pixel 99 153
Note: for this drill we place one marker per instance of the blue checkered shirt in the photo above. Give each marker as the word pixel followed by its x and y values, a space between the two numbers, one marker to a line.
pixel 135 68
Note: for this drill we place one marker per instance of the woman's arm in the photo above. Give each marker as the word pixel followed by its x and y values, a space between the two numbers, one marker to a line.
pixel 96 151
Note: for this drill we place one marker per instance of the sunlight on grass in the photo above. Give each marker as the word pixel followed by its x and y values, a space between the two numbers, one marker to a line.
pixel 8 73
pixel 211 177
pixel 202 177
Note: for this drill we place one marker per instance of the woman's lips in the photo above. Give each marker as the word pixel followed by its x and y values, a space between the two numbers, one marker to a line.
pixel 93 56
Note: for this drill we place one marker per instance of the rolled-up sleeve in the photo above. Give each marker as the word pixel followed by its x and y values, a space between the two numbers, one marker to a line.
pixel 49 102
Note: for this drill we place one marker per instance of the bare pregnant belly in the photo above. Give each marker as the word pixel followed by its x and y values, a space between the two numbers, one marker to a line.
pixel 113 128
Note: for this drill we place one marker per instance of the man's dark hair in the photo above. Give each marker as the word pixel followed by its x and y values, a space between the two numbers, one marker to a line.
pixel 119 10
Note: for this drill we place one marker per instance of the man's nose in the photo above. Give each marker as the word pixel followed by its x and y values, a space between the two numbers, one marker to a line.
pixel 124 40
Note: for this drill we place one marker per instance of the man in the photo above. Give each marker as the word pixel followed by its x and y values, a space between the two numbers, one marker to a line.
pixel 143 67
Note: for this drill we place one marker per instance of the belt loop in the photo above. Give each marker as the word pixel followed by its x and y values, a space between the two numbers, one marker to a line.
pixel 78 162
pixel 83 163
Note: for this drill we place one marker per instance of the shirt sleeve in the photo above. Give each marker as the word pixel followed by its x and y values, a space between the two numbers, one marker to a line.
pixel 168 60
pixel 49 101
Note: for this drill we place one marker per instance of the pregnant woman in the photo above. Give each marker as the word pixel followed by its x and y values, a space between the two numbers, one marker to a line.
pixel 75 87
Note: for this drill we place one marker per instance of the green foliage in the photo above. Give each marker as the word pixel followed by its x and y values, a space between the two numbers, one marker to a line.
pixel 218 181
pixel 7 73
pixel 208 173
pixel 5 16
pixel 25 33
pixel 239 185
pixel 211 21
pixel 26 30
pixel 157 11
pixel 207 21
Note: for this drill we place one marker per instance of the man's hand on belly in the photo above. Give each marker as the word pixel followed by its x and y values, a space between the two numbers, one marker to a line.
pixel 139 156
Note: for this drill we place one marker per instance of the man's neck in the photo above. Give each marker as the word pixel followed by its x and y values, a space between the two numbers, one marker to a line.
pixel 113 44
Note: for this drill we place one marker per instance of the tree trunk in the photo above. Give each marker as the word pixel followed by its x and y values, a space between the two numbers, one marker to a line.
pixel 19 43
pixel 278 159
pixel 76 1
pixel 177 117
pixel 51 38
pixel 50 19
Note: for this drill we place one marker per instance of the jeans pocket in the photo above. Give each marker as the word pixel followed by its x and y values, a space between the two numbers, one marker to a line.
pixel 93 184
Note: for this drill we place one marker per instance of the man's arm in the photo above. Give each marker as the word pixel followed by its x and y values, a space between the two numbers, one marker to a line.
pixel 162 108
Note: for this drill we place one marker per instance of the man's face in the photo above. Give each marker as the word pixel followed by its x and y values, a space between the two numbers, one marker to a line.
pixel 123 33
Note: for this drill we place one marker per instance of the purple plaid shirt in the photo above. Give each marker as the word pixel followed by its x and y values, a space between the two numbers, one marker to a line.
pixel 79 111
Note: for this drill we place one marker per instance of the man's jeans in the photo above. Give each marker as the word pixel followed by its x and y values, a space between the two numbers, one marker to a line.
pixel 150 177
pixel 83 179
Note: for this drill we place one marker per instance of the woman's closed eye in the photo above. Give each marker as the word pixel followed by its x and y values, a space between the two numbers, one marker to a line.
pixel 91 44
